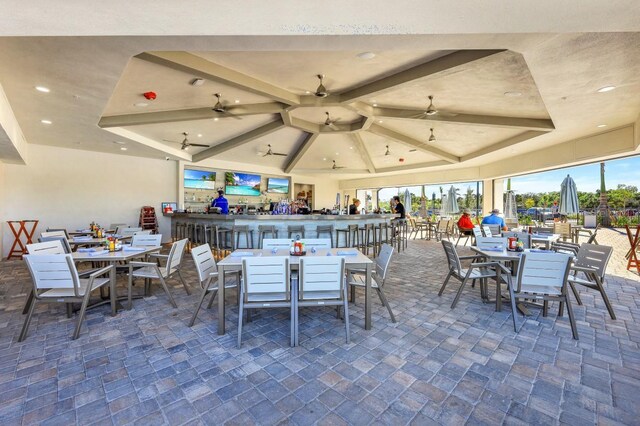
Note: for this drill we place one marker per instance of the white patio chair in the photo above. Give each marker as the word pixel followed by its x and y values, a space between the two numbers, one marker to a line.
pixel 442 229
pixel 316 243
pixel 322 283
pixel 486 230
pixel 56 280
pixel 151 270
pixel 542 276
pixel 121 227
pixel 522 236
pixel 476 271
pixel 477 233
pixel 128 232
pixel 276 243
pixel 56 233
pixel 357 278
pixel 146 240
pixel 207 275
pixel 491 243
pixel 591 261
pixel 143 232
pixel 265 284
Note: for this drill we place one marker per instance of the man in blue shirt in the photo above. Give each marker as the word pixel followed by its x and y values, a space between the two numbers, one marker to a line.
pixel 494 219
pixel 221 202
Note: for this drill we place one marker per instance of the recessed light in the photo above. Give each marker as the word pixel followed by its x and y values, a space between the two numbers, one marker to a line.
pixel 45 121
pixel 602 125
pixel 307 92
pixel 199 135
pixel 215 119
pixel 237 101
pixel 375 105
pixel 512 94
pixel 366 55
pixel 606 89
pixel 337 153
pixel 140 104
pixel 42 89
pixel 350 147
pixel 123 148
pixel 324 159
pixel 119 142
pixel 380 121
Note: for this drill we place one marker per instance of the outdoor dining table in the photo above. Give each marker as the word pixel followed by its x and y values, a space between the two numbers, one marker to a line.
pixel 113 257
pixel 546 239
pixel 93 241
pixel 355 259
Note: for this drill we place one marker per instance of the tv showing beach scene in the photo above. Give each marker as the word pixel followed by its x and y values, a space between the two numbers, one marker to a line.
pixel 199 179
pixel 278 185
pixel 242 184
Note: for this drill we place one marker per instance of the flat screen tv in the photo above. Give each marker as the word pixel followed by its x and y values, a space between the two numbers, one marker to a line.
pixel 242 184
pixel 199 179
pixel 278 185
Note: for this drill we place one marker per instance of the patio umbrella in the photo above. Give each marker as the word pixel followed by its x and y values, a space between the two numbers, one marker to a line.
pixel 423 204
pixel 451 204
pixel 407 201
pixel 568 197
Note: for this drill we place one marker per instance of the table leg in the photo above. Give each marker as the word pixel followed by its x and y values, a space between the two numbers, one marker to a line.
pixel 367 298
pixel 112 287
pixel 498 291
pixel 221 281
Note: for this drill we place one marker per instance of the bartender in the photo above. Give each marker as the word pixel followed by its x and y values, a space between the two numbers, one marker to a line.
pixel 221 202
pixel 353 208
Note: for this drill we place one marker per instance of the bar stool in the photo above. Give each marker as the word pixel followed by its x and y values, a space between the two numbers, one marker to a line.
pixel 180 231
pixel 239 230
pixel 264 230
pixel 325 229
pixel 349 231
pixel 219 238
pixel 367 238
pixel 296 229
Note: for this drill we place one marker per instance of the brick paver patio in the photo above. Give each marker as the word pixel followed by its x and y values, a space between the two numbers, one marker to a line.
pixel 435 366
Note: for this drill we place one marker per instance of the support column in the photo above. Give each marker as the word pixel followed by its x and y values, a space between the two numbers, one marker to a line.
pixel 493 195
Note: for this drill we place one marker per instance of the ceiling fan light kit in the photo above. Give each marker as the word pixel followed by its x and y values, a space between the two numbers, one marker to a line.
pixel 432 137
pixel 321 91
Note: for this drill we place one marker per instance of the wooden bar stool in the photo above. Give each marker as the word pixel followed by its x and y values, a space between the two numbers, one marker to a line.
pixel 296 229
pixel 264 230
pixel 239 230
pixel 325 229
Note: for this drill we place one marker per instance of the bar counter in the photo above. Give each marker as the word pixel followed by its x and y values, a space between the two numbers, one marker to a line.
pixel 281 222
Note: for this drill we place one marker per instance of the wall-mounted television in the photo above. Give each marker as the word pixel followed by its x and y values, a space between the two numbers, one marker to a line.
pixel 199 179
pixel 241 184
pixel 278 185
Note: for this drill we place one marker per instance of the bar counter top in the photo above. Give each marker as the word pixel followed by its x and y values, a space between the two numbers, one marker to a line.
pixel 268 217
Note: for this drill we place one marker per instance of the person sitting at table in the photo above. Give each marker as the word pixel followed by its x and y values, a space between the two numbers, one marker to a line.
pixel 221 202
pixel 494 219
pixel 398 207
pixel 353 208
pixel 464 223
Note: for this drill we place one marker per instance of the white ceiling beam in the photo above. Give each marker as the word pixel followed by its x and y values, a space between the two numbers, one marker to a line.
pixel 443 63
pixel 362 149
pixel 200 67
pixel 503 144
pixel 414 143
pixel 128 134
pixel 471 119
pixel 190 114
pixel 414 166
pixel 239 140
pixel 302 149
pixel 312 100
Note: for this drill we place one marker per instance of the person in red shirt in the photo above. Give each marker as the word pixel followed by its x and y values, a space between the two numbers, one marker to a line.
pixel 464 223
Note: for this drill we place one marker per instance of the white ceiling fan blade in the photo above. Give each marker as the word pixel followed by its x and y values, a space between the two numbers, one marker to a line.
pixel 228 114
pixel 332 126
pixel 280 154
pixel 198 144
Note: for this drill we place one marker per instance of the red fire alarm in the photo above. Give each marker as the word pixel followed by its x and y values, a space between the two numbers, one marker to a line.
pixel 401 160
pixel 150 95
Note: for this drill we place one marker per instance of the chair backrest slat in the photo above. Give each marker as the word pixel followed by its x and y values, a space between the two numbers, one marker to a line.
pixel 146 240
pixel 204 261
pixel 543 270
pixel 277 243
pixel 522 236
pixel 52 271
pixel 477 232
pixel 121 227
pixel 452 256
pixel 382 262
pixel 46 247
pixel 175 254
pixel 594 256
pixel 491 242
pixel 486 231
pixel 318 243
pixel 57 233
pixel 266 276
pixel 321 277
pixel 129 232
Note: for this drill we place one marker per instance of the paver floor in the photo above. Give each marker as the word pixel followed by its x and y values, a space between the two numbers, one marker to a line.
pixel 436 365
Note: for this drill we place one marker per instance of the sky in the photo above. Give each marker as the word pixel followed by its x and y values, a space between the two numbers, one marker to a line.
pixel 587 177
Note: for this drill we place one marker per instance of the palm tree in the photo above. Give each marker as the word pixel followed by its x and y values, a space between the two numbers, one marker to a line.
pixel 603 208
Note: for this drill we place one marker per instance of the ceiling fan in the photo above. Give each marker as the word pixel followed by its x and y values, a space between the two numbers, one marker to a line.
pixel 222 109
pixel 388 152
pixel 270 152
pixel 331 122
pixel 432 138
pixel 431 111
pixel 321 91
pixel 335 166
pixel 185 142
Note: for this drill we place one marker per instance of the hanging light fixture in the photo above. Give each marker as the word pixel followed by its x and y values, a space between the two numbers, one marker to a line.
pixel 431 110
pixel 432 138
pixel 388 151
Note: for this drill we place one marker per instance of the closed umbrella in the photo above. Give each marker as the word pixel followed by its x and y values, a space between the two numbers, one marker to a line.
pixel 407 201
pixel 451 204
pixel 568 197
